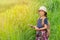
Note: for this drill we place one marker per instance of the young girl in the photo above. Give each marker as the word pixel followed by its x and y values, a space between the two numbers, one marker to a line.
pixel 42 24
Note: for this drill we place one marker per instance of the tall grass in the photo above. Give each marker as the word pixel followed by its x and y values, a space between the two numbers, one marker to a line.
pixel 16 15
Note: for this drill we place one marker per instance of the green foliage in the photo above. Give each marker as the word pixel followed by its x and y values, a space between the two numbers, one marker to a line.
pixel 16 15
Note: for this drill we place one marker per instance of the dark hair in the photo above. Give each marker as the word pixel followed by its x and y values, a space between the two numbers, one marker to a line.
pixel 45 14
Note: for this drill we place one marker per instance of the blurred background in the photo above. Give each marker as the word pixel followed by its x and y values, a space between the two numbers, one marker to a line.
pixel 15 15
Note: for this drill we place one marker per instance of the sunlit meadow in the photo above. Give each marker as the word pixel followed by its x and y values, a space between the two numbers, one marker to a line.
pixel 15 15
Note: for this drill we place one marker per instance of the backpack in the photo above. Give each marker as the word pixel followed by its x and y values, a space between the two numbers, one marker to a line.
pixel 48 27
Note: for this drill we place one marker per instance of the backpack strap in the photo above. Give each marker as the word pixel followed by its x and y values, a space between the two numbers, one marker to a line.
pixel 43 21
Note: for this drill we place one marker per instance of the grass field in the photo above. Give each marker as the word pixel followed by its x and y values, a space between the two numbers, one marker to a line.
pixel 15 15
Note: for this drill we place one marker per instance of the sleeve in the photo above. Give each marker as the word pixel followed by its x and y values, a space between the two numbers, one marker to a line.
pixel 46 21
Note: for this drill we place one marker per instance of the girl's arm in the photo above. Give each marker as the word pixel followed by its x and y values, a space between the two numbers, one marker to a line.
pixel 45 27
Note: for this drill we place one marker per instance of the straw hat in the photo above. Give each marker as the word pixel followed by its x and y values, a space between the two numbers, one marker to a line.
pixel 43 8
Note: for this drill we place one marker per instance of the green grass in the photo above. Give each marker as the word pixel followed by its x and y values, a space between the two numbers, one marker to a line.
pixel 16 15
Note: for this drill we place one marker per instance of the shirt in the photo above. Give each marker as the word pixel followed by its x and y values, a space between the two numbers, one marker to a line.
pixel 39 22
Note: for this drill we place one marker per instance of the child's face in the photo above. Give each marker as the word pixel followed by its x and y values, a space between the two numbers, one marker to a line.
pixel 41 13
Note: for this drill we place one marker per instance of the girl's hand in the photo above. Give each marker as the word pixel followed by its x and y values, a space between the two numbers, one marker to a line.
pixel 36 28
